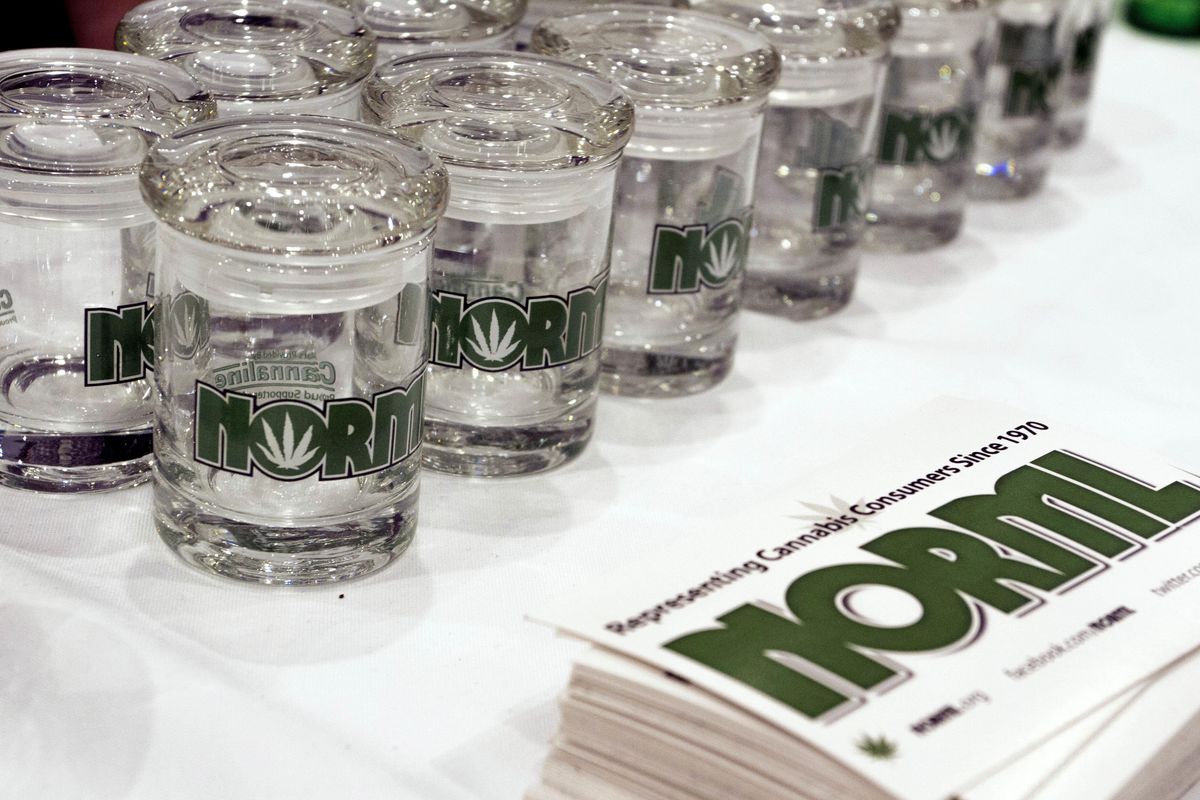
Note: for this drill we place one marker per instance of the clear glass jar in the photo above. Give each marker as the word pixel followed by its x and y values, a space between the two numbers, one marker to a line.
pixel 76 262
pixel 291 344
pixel 685 188
pixel 259 56
pixel 521 262
pixel 818 149
pixel 927 131
pixel 1086 21
pixel 1015 128
pixel 405 27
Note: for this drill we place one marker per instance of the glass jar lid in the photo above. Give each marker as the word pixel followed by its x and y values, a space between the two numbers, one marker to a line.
pixel 252 50
pixel 75 124
pixel 293 185
pixel 926 21
pixel 933 8
pixel 665 58
pixel 76 112
pixel 501 111
pixel 815 30
pixel 437 22
pixel 540 9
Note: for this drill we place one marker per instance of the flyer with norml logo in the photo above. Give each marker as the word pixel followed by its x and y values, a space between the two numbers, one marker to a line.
pixel 977 578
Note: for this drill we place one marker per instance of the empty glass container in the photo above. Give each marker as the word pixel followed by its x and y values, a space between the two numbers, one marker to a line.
pixel 685 189
pixel 1015 127
pixel 291 344
pixel 927 133
pixel 77 262
pixel 819 140
pixel 521 262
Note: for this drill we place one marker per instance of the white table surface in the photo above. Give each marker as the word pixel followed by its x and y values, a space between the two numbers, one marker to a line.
pixel 126 674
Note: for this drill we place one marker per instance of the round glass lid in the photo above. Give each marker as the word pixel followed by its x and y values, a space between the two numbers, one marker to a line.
pixel 299 185
pixel 497 110
pixel 665 58
pixel 252 49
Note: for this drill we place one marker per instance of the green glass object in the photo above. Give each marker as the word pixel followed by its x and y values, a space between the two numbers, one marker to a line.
pixel 1172 17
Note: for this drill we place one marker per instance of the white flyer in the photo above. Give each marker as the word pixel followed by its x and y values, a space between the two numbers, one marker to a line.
pixel 933 605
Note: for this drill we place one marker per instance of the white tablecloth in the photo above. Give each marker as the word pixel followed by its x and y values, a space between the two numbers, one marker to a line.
pixel 126 674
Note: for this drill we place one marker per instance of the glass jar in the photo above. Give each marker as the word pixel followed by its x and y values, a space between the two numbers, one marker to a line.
pixel 256 56
pixel 1021 94
pixel 1086 21
pixel 416 26
pixel 291 344
pixel 76 262
pixel 818 149
pixel 521 262
pixel 927 132
pixel 685 188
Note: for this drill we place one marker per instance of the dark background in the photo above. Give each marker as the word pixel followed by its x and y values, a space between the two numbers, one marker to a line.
pixel 66 23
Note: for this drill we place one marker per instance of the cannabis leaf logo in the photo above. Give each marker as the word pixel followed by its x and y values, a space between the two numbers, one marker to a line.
pixel 879 747
pixel 187 323
pixel 835 509
pixel 722 262
pixel 185 326
pixel 942 141
pixel 492 348
pixel 292 455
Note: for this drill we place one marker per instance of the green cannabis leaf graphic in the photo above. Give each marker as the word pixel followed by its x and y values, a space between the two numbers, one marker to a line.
pixel 186 328
pixel 721 263
pixel 291 455
pixel 943 141
pixel 493 348
pixel 879 747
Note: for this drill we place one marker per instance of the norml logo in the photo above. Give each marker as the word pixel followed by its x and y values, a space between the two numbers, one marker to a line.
pixel 118 343
pixel 912 137
pixel 288 439
pixel 1083 50
pixel 188 324
pixel 7 312
pixel 1030 91
pixel 496 333
pixel 840 196
pixel 1049 525
pixel 684 258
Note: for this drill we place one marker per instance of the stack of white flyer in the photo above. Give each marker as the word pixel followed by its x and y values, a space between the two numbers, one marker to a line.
pixel 980 605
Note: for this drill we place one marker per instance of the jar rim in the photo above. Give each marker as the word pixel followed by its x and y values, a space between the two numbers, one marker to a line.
pixel 82 113
pixel 252 49
pixel 294 185
pixel 499 110
pixel 815 30
pixel 433 22
pixel 665 58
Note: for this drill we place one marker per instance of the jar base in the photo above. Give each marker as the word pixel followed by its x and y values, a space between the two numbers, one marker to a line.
pixel 1001 186
pixel 59 435
pixel 486 452
pixel 898 233
pixel 800 298
pixel 262 551
pixel 1069 134
pixel 75 479
pixel 637 373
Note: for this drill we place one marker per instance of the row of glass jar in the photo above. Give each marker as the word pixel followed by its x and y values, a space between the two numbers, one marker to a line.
pixel 968 102
pixel 286 316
